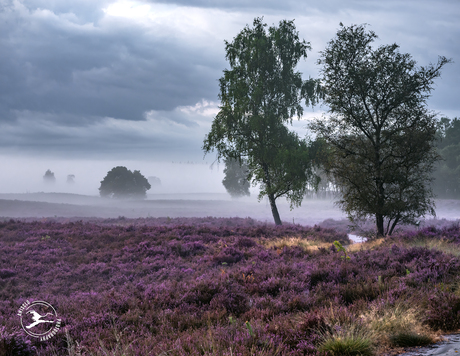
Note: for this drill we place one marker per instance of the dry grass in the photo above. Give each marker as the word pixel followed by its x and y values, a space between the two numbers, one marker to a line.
pixel 391 319
pixel 346 335
pixel 398 325
pixel 306 245
pixel 314 245
pixel 367 245
pixel 436 244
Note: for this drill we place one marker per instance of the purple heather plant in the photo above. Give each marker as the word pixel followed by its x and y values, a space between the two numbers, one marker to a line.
pixel 174 284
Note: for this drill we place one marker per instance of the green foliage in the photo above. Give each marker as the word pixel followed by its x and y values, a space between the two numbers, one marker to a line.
pixel 340 248
pixel 250 330
pixel 380 133
pixel 120 182
pixel 346 342
pixel 259 95
pixel 410 339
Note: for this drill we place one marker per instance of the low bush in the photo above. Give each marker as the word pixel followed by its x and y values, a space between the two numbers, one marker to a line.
pixel 13 343
pixel 443 311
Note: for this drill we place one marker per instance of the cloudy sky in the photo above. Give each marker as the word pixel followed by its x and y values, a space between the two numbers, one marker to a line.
pixel 118 81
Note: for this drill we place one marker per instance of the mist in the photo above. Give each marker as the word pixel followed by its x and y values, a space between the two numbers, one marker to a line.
pixel 25 175
pixel 188 189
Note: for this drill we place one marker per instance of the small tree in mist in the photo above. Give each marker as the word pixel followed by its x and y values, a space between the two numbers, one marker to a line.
pixel 236 178
pixel 381 133
pixel 49 177
pixel 120 182
pixel 154 181
pixel 70 179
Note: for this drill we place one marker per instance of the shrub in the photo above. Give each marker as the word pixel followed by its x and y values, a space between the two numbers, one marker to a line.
pixel 14 344
pixel 245 242
pixel 443 311
pixel 229 255
pixel 233 299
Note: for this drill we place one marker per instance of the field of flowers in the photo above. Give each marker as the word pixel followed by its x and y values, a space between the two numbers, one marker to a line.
pixel 210 286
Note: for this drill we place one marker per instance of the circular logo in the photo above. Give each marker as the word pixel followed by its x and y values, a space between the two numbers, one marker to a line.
pixel 39 319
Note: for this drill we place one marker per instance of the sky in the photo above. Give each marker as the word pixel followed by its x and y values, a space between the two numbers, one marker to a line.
pixel 86 85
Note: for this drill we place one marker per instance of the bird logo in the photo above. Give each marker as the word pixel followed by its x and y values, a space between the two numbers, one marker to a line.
pixel 39 319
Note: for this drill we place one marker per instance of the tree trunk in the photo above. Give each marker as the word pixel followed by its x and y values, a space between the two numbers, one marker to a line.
pixel 394 225
pixel 380 225
pixel 380 189
pixel 275 213
pixel 271 196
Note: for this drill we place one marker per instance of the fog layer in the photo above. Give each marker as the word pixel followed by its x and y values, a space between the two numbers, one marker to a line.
pixel 25 175
pixel 188 189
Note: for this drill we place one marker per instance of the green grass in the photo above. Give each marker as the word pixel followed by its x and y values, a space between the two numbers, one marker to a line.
pixel 347 345
pixel 410 339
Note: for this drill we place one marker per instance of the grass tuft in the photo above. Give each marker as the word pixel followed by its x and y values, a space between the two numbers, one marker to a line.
pixel 410 339
pixel 392 319
pixel 346 342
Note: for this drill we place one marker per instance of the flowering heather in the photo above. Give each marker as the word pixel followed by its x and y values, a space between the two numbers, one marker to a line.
pixel 213 286
pixel 449 234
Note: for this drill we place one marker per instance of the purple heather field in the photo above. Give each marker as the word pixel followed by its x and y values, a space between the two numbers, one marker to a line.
pixel 225 286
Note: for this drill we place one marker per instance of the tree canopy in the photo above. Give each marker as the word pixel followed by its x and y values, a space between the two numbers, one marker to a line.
pixel 260 94
pixel 120 182
pixel 381 133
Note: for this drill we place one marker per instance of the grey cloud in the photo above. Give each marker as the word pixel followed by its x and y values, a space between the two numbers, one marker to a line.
pixel 330 6
pixel 117 70
pixel 162 135
pixel 172 117
pixel 74 82
pixel 260 5
pixel 84 11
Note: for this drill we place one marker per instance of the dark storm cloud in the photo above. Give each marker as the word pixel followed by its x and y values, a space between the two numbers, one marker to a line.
pixel 59 63
pixel 78 80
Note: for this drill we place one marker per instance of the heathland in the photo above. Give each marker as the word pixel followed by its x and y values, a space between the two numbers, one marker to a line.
pixel 226 286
